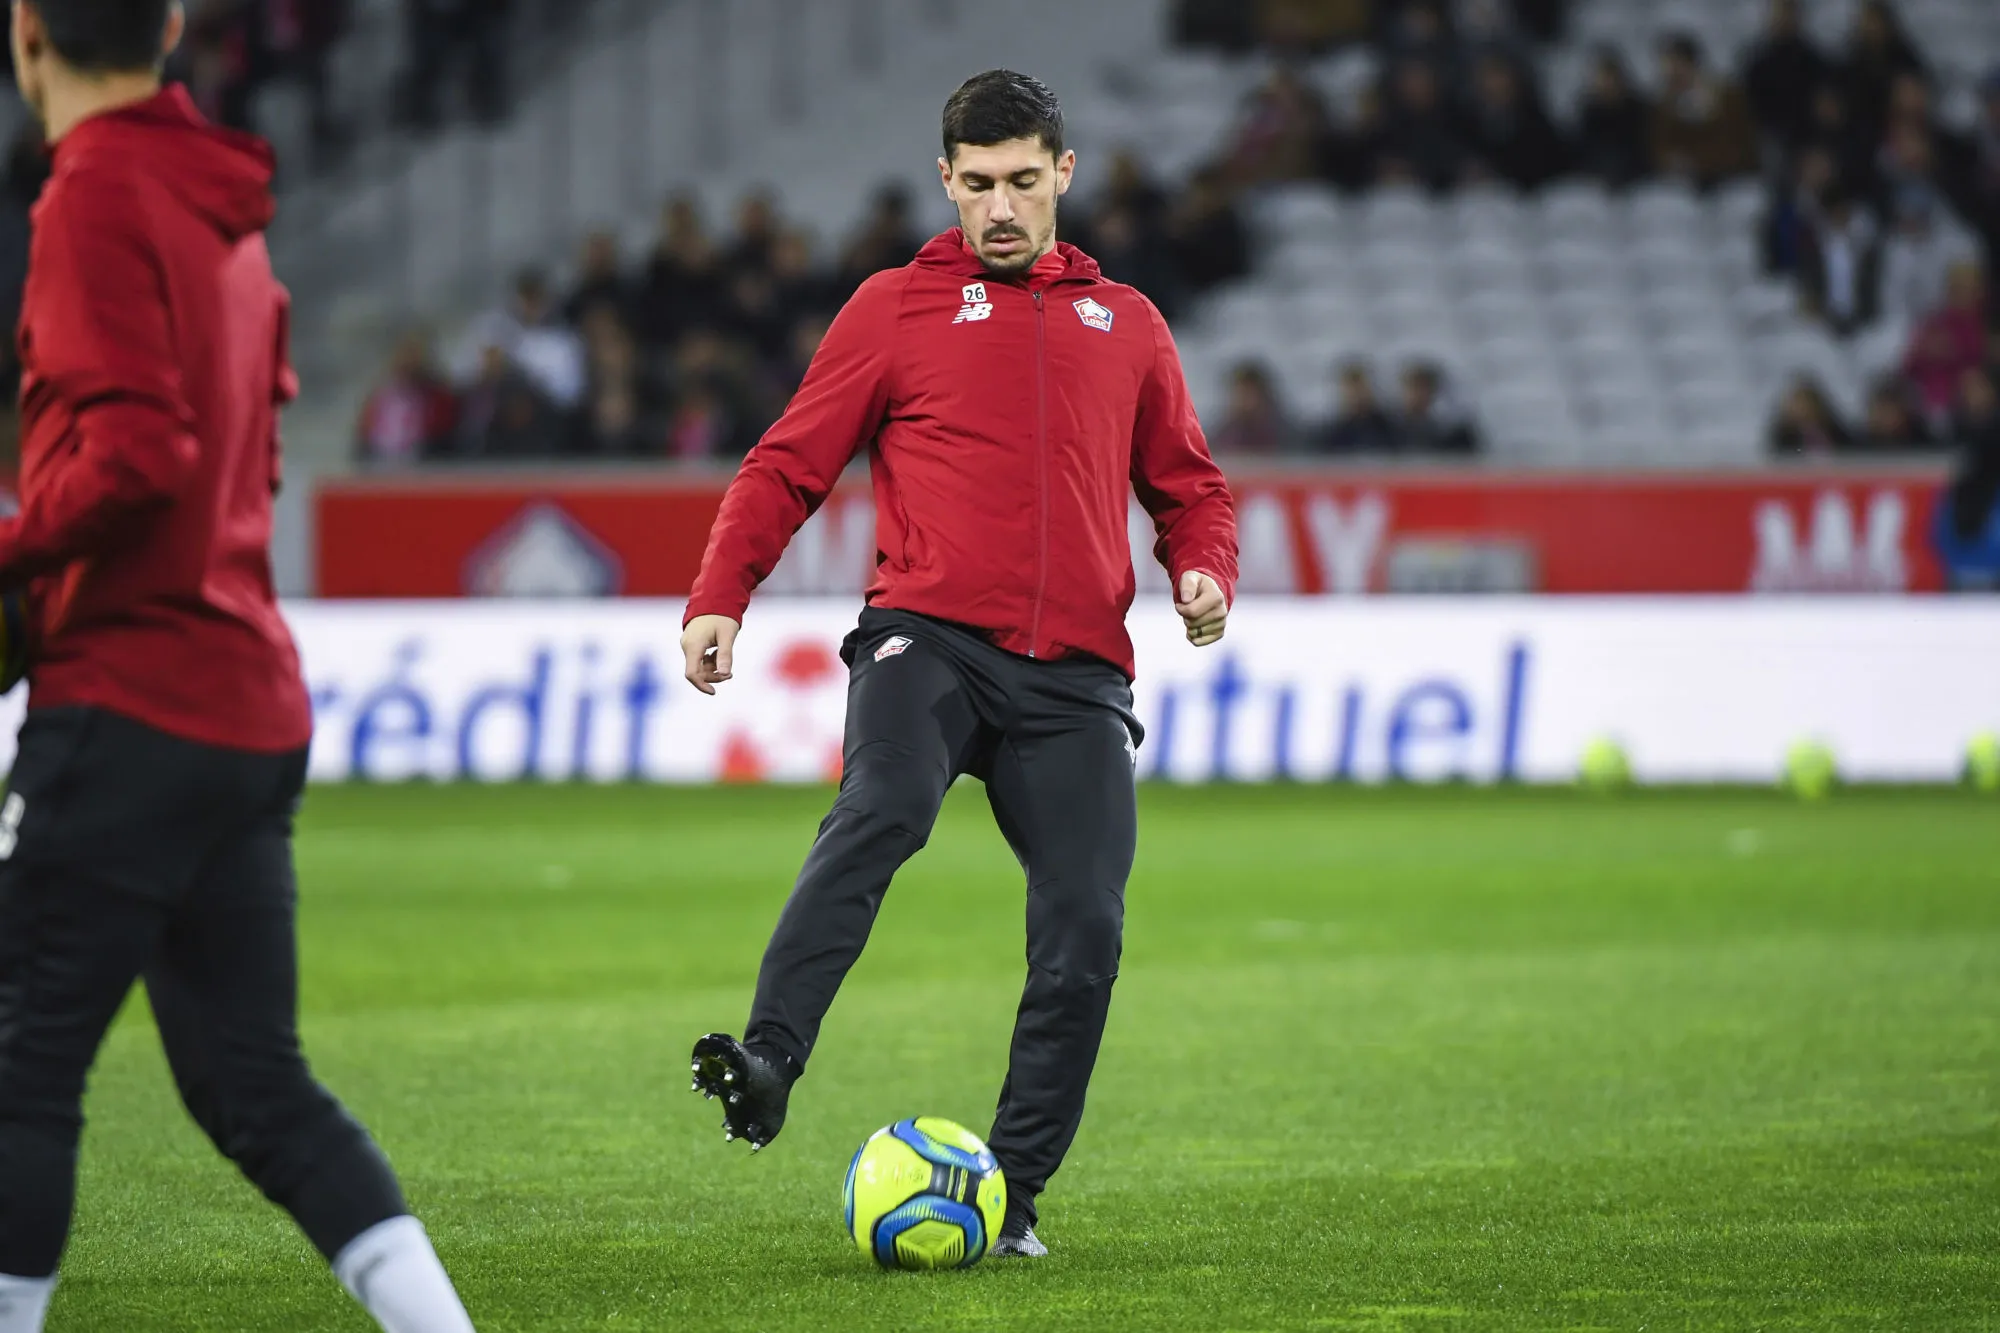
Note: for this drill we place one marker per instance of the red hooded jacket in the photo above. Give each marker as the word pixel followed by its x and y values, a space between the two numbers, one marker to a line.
pixel 1007 423
pixel 153 354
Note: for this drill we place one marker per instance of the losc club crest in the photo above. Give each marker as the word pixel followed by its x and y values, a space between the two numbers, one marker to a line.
pixel 542 552
pixel 1093 314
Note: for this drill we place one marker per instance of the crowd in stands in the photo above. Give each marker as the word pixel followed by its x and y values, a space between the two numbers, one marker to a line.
pixel 1884 217
pixel 455 60
pixel 695 351
pixel 688 355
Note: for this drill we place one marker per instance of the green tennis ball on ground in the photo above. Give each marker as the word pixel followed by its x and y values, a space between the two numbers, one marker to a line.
pixel 1810 771
pixel 1605 766
pixel 1982 762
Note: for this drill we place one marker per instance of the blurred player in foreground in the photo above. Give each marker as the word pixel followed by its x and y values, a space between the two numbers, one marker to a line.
pixel 147 826
pixel 1011 399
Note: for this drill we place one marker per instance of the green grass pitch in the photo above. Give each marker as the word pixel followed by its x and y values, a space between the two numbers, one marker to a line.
pixel 1410 1060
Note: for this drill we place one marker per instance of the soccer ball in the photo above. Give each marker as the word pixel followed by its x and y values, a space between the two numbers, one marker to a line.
pixel 923 1194
pixel 1811 771
pixel 1604 767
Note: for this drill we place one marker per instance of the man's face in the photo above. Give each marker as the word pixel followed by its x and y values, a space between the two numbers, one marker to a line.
pixel 1006 196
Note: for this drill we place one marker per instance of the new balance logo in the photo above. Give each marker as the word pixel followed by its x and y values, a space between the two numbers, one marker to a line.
pixel 973 312
pixel 11 814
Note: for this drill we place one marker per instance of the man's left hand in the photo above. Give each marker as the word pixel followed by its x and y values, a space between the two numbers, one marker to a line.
pixel 1203 607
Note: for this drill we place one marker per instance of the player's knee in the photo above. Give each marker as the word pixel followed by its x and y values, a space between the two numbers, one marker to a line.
pixel 1078 945
pixel 263 1125
pixel 891 790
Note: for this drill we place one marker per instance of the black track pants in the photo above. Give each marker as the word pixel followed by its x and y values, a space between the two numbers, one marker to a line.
pixel 1054 743
pixel 127 853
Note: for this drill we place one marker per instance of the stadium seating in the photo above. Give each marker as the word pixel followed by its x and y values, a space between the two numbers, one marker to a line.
pixel 1580 325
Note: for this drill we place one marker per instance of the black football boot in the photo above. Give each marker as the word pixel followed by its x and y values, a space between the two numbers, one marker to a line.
pixel 754 1087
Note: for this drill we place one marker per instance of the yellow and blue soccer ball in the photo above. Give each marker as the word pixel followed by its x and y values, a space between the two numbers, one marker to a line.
pixel 924 1194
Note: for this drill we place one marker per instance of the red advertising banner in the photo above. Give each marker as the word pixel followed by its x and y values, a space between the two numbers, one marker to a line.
pixel 1835 530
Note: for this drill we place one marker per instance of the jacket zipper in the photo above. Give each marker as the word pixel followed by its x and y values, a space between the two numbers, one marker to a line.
pixel 1041 472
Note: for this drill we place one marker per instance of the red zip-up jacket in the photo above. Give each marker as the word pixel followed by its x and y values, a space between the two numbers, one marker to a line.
pixel 153 355
pixel 1007 424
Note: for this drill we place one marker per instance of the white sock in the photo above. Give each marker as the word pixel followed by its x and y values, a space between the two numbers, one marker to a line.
pixel 24 1302
pixel 395 1274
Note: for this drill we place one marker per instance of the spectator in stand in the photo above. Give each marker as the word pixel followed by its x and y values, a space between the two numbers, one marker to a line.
pixel 1229 25
pixel 887 240
pixel 683 281
pixel 1509 133
pixel 1294 28
pixel 411 412
pixel 1947 343
pixel 535 339
pixel 1423 144
pixel 1979 194
pixel 1420 31
pixel 1877 51
pixel 1806 424
pixel 1281 133
pixel 753 316
pixel 715 402
pixel 783 377
pixel 445 38
pixel 502 415
pixel 1795 211
pixel 1131 251
pixel 1892 423
pixel 801 288
pixel 1614 124
pixel 295 40
pixel 1130 186
pixel 1702 131
pixel 1359 425
pixel 1908 161
pixel 618 416
pixel 1353 151
pixel 1921 252
pixel 1429 423
pixel 1974 497
pixel 216 65
pixel 1206 236
pixel 1783 71
pixel 1832 130
pixel 1840 265
pixel 1255 423
pixel 600 281
pixel 756 233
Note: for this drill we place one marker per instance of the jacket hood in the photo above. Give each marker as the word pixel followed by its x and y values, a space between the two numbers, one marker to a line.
pixel 948 253
pixel 223 175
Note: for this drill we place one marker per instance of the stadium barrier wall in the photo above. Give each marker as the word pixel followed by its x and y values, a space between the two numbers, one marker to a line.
pixel 1828 529
pixel 1418 689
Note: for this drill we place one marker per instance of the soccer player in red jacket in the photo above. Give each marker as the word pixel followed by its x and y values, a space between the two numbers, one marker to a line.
pixel 146 831
pixel 1010 399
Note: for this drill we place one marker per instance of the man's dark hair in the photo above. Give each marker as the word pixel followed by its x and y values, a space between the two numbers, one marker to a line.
pixel 106 36
pixel 1000 105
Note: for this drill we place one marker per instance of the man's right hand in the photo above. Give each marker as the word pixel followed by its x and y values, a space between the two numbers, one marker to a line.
pixel 709 644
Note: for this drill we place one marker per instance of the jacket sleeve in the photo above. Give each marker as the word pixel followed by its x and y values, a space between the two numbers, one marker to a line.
pixel 1176 479
pixel 103 346
pixel 795 466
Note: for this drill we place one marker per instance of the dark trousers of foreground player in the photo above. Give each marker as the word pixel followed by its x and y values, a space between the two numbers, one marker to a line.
pixel 130 854
pixel 1053 742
